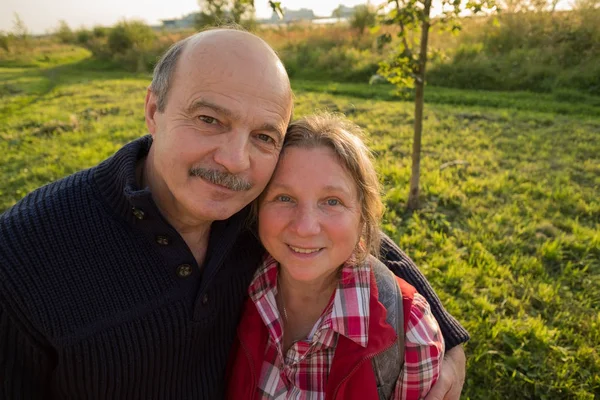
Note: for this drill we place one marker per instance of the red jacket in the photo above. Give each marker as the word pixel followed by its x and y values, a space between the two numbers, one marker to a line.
pixel 351 376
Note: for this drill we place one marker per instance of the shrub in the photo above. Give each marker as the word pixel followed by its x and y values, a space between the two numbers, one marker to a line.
pixel 364 16
pixel 129 36
pixel 324 52
pixel 6 40
pixel 132 45
pixel 83 36
pixel 585 77
pixel 100 31
pixel 466 74
pixel 341 63
pixel 64 33
pixel 539 52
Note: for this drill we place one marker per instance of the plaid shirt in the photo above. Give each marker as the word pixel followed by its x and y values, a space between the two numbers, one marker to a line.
pixel 302 372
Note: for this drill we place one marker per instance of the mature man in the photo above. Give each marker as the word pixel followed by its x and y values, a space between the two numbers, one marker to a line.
pixel 126 280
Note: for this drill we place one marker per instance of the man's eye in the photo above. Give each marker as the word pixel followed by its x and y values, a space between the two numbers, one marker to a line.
pixel 283 198
pixel 207 119
pixel 265 138
pixel 333 202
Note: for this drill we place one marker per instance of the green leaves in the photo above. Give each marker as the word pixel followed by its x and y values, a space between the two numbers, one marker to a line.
pixel 214 12
pixel 412 17
pixel 383 39
pixel 276 7
pixel 399 71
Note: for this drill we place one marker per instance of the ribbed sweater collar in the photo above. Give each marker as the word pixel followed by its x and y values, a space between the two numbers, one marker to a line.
pixel 116 180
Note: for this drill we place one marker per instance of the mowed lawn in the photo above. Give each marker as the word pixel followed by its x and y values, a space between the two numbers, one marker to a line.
pixel 508 233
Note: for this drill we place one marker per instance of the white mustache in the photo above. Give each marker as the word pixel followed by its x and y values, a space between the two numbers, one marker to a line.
pixel 230 181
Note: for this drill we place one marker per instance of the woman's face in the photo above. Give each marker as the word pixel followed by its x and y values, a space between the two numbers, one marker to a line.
pixel 309 217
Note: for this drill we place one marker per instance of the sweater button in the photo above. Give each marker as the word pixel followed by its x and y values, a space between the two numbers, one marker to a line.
pixel 205 299
pixel 163 240
pixel 184 270
pixel 138 213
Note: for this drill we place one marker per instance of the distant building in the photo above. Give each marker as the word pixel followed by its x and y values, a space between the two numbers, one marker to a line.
pixel 187 21
pixel 303 14
pixel 343 11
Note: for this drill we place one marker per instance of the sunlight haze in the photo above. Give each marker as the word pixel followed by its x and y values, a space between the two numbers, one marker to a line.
pixel 41 16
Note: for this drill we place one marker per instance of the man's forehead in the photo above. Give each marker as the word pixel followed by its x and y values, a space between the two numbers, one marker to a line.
pixel 215 45
pixel 233 83
pixel 226 74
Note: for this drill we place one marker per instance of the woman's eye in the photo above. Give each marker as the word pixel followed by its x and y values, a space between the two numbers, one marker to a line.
pixel 207 119
pixel 265 138
pixel 333 202
pixel 284 198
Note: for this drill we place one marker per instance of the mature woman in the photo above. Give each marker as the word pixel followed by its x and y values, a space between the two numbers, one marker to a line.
pixel 320 321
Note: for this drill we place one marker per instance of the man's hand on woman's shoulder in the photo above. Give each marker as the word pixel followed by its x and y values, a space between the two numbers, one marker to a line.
pixel 452 376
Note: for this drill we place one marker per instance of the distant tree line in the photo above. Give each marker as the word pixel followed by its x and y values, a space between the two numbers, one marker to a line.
pixel 219 12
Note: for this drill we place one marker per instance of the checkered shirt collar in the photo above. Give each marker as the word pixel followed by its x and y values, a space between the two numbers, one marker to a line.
pixel 349 311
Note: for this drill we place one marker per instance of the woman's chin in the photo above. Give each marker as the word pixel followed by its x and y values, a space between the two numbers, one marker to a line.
pixel 300 274
pixel 307 275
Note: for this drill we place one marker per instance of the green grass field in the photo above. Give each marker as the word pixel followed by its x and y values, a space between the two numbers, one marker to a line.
pixel 509 237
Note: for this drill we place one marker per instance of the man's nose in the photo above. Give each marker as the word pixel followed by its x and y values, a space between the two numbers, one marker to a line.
pixel 306 221
pixel 233 152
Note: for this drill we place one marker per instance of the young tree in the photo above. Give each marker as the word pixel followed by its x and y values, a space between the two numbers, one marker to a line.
pixel 6 40
pixel 214 12
pixel 337 12
pixel 20 30
pixel 408 65
pixel 64 32
pixel 242 9
pixel 364 16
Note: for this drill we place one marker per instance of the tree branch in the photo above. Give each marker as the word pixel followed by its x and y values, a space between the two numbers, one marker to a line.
pixel 407 49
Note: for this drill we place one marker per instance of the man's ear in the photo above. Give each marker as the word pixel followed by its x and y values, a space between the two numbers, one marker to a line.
pixel 151 111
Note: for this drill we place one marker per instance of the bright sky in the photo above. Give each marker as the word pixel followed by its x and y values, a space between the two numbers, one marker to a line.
pixel 43 15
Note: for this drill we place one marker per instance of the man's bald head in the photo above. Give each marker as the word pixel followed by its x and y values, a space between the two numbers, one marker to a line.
pixel 229 44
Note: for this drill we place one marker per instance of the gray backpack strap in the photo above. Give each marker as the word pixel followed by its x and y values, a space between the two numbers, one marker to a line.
pixel 388 365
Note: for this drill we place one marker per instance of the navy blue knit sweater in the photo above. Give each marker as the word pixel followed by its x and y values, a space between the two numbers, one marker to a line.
pixel 100 298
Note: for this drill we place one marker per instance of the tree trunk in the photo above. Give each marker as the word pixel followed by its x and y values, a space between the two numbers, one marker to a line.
pixel 413 196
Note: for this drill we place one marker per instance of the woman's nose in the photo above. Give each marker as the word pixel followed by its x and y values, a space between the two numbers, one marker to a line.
pixel 306 221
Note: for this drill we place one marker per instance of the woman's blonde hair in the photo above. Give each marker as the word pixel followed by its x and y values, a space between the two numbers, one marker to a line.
pixel 346 140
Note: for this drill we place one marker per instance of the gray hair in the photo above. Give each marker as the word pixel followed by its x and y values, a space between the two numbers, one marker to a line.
pixel 163 72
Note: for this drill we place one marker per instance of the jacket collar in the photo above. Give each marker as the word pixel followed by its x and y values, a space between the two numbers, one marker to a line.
pixel 348 355
pixel 348 313
pixel 253 336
